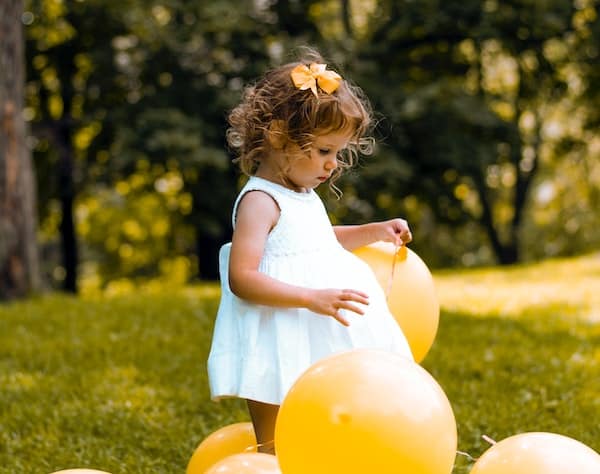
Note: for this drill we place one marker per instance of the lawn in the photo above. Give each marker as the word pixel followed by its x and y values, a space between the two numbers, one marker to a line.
pixel 119 384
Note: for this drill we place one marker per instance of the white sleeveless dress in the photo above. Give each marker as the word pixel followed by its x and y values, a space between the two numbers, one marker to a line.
pixel 259 351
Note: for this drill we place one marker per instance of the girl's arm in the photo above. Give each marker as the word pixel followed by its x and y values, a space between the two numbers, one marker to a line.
pixel 354 236
pixel 257 214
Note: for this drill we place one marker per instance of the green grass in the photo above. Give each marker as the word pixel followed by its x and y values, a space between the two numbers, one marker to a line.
pixel 518 350
pixel 119 384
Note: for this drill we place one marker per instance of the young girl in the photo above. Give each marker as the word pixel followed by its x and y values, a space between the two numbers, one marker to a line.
pixel 292 291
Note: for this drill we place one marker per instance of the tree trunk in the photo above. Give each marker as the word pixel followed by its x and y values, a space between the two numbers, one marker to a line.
pixel 207 249
pixel 68 238
pixel 347 18
pixel 506 254
pixel 19 266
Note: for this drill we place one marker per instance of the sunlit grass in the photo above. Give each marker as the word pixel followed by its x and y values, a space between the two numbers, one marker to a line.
pixel 518 350
pixel 572 286
pixel 119 384
pixel 115 384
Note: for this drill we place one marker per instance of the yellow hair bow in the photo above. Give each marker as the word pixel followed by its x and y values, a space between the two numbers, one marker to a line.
pixel 309 77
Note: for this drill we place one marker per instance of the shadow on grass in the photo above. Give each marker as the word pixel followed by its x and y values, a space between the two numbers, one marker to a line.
pixel 503 376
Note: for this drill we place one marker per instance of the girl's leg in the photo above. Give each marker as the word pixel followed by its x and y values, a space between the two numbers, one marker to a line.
pixel 263 418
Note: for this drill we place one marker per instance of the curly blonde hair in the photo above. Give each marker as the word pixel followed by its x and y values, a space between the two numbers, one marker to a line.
pixel 273 110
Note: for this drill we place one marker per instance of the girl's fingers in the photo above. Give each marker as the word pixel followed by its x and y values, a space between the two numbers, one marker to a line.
pixel 355 295
pixel 404 235
pixel 345 301
pixel 351 307
pixel 338 317
pixel 401 232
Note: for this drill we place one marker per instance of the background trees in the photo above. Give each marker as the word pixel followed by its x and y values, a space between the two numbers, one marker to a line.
pixel 481 91
pixel 487 137
pixel 18 250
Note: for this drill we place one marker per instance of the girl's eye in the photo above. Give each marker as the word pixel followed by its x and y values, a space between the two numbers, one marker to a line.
pixel 324 151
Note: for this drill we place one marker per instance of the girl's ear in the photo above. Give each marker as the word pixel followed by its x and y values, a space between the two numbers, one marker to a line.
pixel 276 135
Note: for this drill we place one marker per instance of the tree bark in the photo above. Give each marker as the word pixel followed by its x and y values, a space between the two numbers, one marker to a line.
pixel 501 252
pixel 207 249
pixel 347 18
pixel 19 265
pixel 68 238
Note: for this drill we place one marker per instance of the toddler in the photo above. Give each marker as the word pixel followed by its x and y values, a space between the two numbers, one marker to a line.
pixel 292 291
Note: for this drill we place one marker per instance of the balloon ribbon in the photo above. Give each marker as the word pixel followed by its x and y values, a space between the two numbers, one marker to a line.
pixel 391 279
pixel 258 445
pixel 471 458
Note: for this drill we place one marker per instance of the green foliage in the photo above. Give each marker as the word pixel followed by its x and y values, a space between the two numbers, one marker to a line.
pixel 119 384
pixel 487 129
pixel 136 234
pixel 477 89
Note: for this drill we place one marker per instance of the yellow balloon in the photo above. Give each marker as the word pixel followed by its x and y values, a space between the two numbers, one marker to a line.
pixel 410 290
pixel 231 439
pixel 247 463
pixel 80 471
pixel 366 411
pixel 538 453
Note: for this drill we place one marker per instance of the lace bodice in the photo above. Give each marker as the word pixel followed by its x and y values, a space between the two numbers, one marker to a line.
pixel 303 226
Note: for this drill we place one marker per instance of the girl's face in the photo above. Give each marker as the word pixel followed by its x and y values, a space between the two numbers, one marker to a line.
pixel 307 172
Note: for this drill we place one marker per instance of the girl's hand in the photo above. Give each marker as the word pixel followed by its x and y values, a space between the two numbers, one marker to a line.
pixel 395 231
pixel 330 301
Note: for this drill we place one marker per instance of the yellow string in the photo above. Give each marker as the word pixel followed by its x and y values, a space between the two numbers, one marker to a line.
pixel 462 453
pixel 471 458
pixel 467 455
pixel 391 279
pixel 258 445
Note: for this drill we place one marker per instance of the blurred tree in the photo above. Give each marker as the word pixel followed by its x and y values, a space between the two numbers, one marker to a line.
pixel 587 22
pixel 128 103
pixel 18 247
pixel 203 54
pixel 113 86
pixel 466 88
pixel 70 92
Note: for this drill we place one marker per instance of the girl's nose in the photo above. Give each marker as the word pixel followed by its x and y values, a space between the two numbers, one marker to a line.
pixel 331 163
